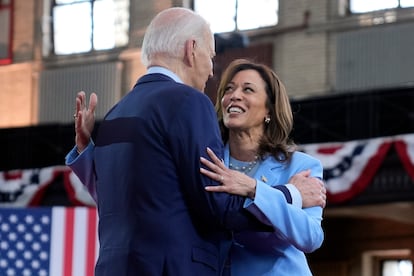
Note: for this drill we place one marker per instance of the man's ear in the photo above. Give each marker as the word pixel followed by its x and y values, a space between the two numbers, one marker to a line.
pixel 189 53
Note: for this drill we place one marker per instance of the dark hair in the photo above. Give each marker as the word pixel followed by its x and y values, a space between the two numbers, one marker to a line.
pixel 275 139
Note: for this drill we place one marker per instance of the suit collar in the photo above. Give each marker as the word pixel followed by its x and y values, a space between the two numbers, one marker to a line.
pixel 153 77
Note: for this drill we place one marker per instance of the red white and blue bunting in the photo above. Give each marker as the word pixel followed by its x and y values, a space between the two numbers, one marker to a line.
pixel 20 188
pixel 349 168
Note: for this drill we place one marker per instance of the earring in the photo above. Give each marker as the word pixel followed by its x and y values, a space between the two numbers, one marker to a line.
pixel 267 120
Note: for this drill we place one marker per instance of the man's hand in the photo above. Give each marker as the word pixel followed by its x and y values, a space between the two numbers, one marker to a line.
pixel 312 189
pixel 84 119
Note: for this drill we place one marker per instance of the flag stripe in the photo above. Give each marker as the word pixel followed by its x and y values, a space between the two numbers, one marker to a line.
pixel 91 244
pixel 79 253
pixel 68 247
pixel 57 245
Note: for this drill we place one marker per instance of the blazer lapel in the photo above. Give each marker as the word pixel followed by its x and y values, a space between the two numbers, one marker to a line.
pixel 268 171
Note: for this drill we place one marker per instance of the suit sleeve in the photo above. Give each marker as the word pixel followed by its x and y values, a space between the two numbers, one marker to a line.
pixel 301 227
pixel 82 166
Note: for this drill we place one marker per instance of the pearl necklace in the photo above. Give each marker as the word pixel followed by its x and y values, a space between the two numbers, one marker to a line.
pixel 245 168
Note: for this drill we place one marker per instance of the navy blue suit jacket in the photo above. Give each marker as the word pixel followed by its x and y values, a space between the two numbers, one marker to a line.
pixel 155 217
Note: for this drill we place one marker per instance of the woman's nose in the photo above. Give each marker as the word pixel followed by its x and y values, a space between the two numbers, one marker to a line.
pixel 236 95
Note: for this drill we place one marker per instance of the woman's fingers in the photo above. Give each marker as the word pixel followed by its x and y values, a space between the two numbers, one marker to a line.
pixel 215 188
pixel 209 164
pixel 210 174
pixel 215 159
pixel 215 170
pixel 216 166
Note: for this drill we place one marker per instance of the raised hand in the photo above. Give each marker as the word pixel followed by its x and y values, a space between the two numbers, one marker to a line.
pixel 84 119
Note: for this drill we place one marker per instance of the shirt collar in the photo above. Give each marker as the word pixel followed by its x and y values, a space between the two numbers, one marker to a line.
pixel 164 71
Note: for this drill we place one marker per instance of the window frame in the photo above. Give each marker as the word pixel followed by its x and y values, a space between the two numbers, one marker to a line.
pixel 9 56
pixel 94 48
pixel 236 11
pixel 398 7
pixel 372 259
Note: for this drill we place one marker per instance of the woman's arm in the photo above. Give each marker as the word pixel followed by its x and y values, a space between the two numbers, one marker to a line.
pixel 301 227
pixel 311 189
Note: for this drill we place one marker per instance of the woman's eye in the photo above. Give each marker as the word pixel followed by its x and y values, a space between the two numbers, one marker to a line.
pixel 228 88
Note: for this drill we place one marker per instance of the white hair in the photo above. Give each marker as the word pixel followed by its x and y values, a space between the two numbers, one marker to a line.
pixel 169 30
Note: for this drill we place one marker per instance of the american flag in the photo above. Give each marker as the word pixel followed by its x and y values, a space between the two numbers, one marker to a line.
pixel 54 241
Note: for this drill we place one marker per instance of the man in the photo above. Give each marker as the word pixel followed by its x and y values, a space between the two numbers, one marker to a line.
pixel 155 217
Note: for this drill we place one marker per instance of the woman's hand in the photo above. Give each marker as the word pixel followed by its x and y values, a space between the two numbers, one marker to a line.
pixel 233 182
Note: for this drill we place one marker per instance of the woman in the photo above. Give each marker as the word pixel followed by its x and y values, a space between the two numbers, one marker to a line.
pixel 256 120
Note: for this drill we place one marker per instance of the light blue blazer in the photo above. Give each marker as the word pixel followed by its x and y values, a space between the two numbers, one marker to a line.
pixel 297 231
